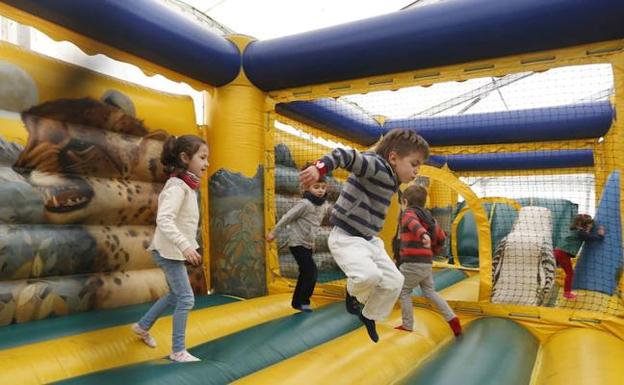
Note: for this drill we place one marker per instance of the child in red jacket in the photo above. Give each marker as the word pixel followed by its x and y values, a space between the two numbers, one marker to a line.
pixel 421 237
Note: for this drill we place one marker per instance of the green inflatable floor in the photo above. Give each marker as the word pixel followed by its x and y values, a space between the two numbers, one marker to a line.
pixel 234 356
pixel 47 329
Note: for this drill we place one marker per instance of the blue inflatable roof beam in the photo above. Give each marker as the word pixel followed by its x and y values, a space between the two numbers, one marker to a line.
pixel 600 265
pixel 338 118
pixel 147 29
pixel 576 121
pixel 516 160
pixel 441 34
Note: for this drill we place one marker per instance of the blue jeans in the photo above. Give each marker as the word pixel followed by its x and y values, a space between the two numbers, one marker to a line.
pixel 180 296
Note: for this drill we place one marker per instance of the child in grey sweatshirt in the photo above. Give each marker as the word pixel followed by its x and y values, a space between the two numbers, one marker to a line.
pixel 303 219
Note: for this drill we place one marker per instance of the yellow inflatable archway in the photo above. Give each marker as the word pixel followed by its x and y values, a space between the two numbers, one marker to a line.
pixel 481 219
pixel 460 216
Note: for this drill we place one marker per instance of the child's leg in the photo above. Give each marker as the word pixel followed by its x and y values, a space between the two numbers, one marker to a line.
pixel 412 279
pixel 354 257
pixel 426 285
pixel 147 321
pixel 307 276
pixel 178 281
pixel 566 264
pixel 385 293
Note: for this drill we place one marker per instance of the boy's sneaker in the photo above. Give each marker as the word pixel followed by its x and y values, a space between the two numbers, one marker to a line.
pixel 401 327
pixel 183 356
pixel 305 308
pixel 352 304
pixel 371 329
pixel 569 295
pixel 144 335
pixel 455 326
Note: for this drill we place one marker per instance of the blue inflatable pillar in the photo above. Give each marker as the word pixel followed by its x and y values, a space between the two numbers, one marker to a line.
pixel 600 265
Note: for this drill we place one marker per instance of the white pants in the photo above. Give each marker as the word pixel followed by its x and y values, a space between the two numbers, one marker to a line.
pixel 372 276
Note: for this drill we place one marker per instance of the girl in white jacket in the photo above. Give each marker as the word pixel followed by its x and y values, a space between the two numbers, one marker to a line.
pixel 174 243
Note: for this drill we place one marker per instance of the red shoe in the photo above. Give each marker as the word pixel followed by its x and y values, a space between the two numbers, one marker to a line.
pixel 569 295
pixel 455 326
pixel 401 327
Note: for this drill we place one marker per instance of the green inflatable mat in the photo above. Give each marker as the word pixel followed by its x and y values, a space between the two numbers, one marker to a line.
pixel 492 351
pixel 330 276
pixel 48 329
pixel 236 355
pixel 443 278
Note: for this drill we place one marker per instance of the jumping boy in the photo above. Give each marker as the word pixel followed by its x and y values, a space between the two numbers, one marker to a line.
pixel 373 279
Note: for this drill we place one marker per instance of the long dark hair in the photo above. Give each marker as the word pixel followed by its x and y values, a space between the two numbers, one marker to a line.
pixel 173 149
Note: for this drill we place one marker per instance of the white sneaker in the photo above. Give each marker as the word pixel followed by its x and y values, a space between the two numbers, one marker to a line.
pixel 183 356
pixel 144 335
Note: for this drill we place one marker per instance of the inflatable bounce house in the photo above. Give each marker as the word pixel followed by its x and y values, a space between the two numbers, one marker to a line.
pixel 80 177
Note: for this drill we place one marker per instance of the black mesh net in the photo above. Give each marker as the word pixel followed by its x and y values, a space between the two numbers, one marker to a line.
pixel 293 149
pixel 537 148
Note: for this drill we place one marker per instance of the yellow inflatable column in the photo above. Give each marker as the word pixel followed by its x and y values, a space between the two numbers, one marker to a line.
pixel 442 200
pixel 441 196
pixel 237 120
pixel 390 228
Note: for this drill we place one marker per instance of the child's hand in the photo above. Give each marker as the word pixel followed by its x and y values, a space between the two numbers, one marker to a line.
pixel 601 230
pixel 270 237
pixel 192 256
pixel 309 176
pixel 426 240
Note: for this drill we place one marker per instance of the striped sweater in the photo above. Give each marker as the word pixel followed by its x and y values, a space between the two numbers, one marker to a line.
pixel 413 228
pixel 363 202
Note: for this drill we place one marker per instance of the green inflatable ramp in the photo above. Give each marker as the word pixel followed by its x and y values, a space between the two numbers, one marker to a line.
pixel 493 351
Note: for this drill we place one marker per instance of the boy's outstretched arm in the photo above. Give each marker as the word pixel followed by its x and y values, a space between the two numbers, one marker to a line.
pixel 360 164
